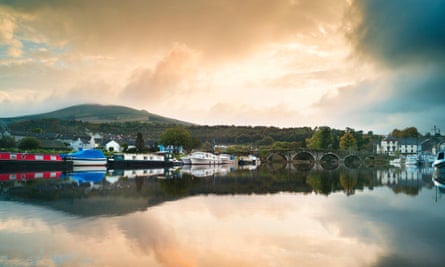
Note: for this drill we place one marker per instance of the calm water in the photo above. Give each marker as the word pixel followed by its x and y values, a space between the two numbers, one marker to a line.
pixel 270 216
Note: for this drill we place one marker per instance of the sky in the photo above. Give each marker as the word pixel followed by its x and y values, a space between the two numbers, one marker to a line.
pixel 367 65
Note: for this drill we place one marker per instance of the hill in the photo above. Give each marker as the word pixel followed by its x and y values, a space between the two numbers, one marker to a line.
pixel 95 113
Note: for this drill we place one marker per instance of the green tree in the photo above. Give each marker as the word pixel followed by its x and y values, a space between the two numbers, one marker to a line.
pixel 29 143
pixel 407 132
pixel 266 141
pixel 139 143
pixel 348 141
pixel 7 142
pixel 321 139
pixel 178 136
pixel 207 146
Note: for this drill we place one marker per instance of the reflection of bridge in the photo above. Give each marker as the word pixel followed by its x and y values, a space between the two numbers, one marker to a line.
pixel 324 157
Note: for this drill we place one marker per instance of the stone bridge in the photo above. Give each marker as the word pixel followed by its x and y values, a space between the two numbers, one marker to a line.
pixel 325 158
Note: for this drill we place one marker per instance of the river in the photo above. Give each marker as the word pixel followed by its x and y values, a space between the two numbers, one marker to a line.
pixel 272 215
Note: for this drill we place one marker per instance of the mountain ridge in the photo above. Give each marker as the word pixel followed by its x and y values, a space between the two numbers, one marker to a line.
pixel 97 113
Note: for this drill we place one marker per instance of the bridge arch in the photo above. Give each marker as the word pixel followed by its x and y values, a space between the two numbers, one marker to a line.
pixel 276 156
pixel 352 161
pixel 329 161
pixel 304 156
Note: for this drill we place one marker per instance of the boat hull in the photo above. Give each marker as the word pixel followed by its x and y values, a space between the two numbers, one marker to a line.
pixel 123 164
pixel 199 161
pixel 38 165
pixel 89 162
pixel 439 163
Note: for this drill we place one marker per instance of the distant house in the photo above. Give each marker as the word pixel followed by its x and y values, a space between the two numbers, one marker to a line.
pixel 113 146
pixel 410 145
pixel 170 149
pixel 388 146
pixel 391 145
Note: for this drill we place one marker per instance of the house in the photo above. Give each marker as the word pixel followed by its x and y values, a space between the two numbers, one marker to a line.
pixel 388 146
pixel 409 145
pixel 391 146
pixel 170 149
pixel 113 146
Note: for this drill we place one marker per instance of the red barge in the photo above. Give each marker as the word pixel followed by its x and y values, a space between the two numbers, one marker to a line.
pixel 32 161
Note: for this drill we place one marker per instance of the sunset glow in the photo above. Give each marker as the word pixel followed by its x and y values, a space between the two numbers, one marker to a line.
pixel 281 63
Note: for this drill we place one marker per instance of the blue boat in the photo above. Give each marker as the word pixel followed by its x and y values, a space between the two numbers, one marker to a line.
pixel 88 157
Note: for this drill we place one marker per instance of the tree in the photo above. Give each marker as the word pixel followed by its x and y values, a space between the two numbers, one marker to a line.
pixel 348 142
pixel 178 136
pixel 321 139
pixel 266 141
pixel 7 142
pixel 139 143
pixel 29 143
pixel 407 132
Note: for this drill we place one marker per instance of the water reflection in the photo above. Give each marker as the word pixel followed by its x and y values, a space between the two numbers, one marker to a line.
pixel 161 185
pixel 224 217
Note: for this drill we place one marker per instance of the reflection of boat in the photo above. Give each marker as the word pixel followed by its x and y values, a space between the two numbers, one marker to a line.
pixel 440 160
pixel 439 183
pixel 133 173
pixel 248 167
pixel 411 160
pixel 88 176
pixel 32 161
pixel 88 157
pixel 127 160
pixel 395 162
pixel 17 176
pixel 206 171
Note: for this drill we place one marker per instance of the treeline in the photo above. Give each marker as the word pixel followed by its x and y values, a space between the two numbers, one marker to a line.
pixel 260 137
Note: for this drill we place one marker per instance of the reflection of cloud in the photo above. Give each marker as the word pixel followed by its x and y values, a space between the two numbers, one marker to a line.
pixel 152 235
pixel 227 231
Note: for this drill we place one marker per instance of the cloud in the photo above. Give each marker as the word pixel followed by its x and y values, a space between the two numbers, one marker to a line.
pixel 7 34
pixel 399 32
pixel 404 42
pixel 217 28
pixel 166 80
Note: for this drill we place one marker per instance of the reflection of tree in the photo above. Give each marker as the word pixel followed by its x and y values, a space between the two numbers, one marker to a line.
pixel 139 181
pixel 348 181
pixel 178 186
pixel 407 189
pixel 323 183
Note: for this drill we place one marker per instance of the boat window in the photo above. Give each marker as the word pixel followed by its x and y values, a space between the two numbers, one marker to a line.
pixel 23 156
pixel 13 156
pixel 145 157
pixel 39 157
pixel 440 156
pixel 53 158
pixel 134 157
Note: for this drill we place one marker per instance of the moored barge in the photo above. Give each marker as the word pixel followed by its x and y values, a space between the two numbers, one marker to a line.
pixel 32 161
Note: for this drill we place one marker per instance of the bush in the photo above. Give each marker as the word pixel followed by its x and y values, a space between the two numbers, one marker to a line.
pixel 29 143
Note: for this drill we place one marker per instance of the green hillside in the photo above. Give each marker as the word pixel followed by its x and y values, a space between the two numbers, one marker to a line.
pixel 98 114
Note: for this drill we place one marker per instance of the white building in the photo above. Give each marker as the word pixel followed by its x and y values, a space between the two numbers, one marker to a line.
pixel 391 145
pixel 113 146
